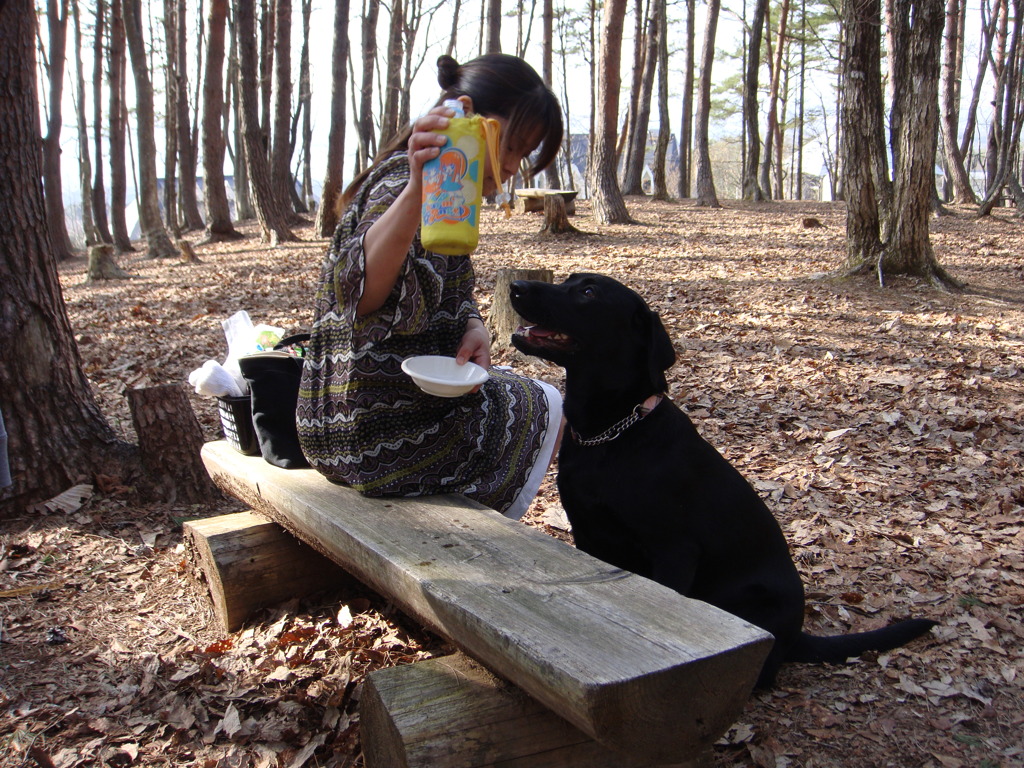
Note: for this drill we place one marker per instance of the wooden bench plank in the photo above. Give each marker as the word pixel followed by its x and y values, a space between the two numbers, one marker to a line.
pixel 630 663
pixel 450 712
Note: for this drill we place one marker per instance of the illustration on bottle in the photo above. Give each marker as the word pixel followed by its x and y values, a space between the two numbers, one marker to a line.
pixel 453 187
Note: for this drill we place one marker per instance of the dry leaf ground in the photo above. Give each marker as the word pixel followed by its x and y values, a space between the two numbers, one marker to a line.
pixel 883 426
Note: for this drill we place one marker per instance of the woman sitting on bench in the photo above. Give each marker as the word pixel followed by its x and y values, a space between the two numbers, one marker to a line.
pixel 382 298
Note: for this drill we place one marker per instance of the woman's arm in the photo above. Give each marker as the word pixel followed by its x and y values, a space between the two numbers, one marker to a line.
pixel 386 243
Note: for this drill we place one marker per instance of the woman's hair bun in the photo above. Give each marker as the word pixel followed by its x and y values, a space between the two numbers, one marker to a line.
pixel 447 72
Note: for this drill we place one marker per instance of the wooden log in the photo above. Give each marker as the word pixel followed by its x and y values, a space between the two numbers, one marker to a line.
pixel 452 713
pixel 169 443
pixel 502 320
pixel 631 663
pixel 250 563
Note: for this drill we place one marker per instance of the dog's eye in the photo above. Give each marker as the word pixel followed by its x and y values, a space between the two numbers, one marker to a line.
pixel 589 292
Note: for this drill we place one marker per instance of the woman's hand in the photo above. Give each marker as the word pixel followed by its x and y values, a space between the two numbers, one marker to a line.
pixel 475 345
pixel 425 144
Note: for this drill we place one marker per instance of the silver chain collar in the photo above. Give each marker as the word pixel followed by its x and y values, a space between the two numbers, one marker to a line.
pixel 638 412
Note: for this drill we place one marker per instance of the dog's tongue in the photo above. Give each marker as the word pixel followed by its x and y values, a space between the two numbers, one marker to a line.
pixel 536 330
pixel 543 337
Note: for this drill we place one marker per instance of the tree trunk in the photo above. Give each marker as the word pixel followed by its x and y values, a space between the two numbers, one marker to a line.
pixel 1007 122
pixel 57 24
pixel 306 105
pixel 157 240
pixel 218 210
pixel 56 433
pixel 244 209
pixel 92 235
pixel 99 191
pixel 799 195
pixel 118 118
pixel 551 176
pixel 984 54
pixel 909 250
pixel 171 117
pixel 169 443
pixel 272 222
pixel 389 123
pixel 594 50
pixel 243 201
pixel 769 134
pixel 608 204
pixel 774 119
pixel 266 59
pixel 706 195
pixel 633 108
pixel 193 219
pixel 280 165
pixel 750 185
pixel 369 46
pixel 493 26
pixel 862 127
pixel 327 213
pixel 453 34
pixel 570 167
pixel 413 16
pixel 895 64
pixel 636 156
pixel 686 121
pixel 1000 12
pixel 950 90
pixel 661 150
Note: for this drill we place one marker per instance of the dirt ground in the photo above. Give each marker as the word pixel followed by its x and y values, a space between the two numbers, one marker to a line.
pixel 882 425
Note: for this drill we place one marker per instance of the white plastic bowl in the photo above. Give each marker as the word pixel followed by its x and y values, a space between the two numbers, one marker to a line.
pixel 442 376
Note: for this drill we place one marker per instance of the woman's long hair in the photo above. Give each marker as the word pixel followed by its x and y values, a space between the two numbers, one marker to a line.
pixel 502 86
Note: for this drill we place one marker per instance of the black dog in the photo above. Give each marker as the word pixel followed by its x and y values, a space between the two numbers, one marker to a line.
pixel 644 492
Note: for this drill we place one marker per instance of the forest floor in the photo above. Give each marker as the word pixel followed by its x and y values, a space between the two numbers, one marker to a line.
pixel 882 425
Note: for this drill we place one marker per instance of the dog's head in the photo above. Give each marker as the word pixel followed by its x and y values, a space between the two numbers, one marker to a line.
pixel 595 325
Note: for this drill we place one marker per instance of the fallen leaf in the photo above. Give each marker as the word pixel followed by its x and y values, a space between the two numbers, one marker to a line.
pixel 69 501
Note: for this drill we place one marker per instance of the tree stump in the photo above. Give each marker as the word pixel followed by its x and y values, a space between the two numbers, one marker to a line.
pixel 502 320
pixel 556 219
pixel 169 443
pixel 188 253
pixel 102 265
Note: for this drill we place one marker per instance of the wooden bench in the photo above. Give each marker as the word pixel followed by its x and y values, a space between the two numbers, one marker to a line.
pixel 532 199
pixel 632 665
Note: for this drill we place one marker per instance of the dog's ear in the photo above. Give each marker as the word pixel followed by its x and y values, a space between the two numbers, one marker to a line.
pixel 661 355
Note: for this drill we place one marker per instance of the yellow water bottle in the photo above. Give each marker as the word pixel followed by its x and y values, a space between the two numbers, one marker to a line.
pixel 453 186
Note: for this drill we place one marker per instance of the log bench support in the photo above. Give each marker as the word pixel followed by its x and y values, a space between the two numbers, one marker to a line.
pixel 450 712
pixel 632 665
pixel 250 563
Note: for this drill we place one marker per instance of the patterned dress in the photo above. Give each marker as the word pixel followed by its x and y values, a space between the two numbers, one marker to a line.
pixel 361 419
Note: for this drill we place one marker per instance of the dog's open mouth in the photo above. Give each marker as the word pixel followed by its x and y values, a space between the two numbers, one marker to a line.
pixel 542 338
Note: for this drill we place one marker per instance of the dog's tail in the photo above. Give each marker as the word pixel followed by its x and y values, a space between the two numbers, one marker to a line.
pixel 838 648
